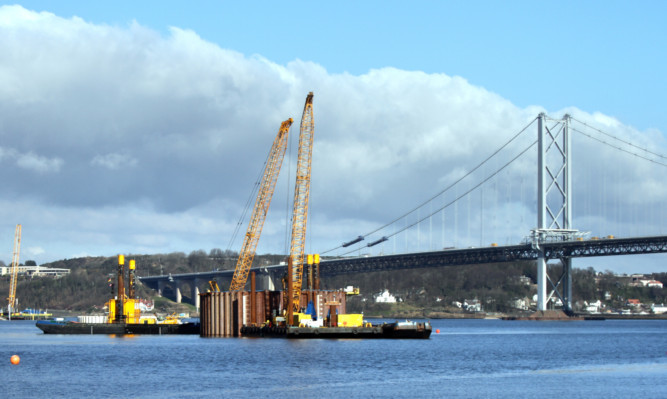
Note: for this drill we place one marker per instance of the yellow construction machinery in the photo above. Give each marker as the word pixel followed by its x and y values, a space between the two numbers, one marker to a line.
pixel 266 188
pixel 214 286
pixel 300 211
pixel 14 269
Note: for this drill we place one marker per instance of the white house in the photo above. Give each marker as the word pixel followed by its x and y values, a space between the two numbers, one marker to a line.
pixel 654 283
pixel 385 297
pixel 520 303
pixel 472 305
pixel 593 307
pixel 553 300
pixel 658 309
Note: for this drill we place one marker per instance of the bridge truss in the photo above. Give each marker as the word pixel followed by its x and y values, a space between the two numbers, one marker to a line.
pixel 500 254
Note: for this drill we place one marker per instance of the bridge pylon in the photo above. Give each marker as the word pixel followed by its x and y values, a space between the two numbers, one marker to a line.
pixel 554 206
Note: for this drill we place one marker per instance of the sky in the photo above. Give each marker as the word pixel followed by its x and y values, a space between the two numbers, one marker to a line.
pixel 141 127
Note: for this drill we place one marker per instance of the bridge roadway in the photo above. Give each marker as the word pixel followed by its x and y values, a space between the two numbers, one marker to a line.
pixel 269 276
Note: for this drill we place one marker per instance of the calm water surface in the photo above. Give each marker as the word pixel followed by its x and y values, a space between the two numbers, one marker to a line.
pixel 467 359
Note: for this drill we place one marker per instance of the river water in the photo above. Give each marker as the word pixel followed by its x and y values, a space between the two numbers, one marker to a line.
pixel 467 359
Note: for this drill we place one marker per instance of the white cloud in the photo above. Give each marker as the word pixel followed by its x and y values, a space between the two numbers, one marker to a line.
pixel 31 161
pixel 114 161
pixel 39 164
pixel 163 138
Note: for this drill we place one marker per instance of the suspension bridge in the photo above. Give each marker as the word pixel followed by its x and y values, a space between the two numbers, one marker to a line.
pixel 624 195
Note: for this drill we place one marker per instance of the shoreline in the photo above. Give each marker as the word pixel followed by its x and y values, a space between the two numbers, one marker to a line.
pixel 522 316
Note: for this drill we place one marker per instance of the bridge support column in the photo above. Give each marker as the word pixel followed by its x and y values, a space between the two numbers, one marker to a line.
pixel 160 287
pixel 554 205
pixel 179 297
pixel 567 288
pixel 265 281
pixel 541 282
pixel 195 293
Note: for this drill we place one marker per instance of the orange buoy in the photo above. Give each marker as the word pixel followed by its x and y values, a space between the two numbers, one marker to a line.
pixel 437 331
pixel 15 359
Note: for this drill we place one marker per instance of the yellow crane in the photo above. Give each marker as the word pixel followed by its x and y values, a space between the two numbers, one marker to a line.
pixel 14 269
pixel 300 210
pixel 266 188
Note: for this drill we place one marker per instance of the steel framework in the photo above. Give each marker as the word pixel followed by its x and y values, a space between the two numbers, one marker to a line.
pixel 264 196
pixel 14 270
pixel 554 205
pixel 300 211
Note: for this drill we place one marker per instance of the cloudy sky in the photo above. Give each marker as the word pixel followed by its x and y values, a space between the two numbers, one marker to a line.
pixel 142 129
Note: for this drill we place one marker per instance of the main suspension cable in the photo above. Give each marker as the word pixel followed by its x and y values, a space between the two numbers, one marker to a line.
pixel 446 189
pixel 623 149
pixel 616 138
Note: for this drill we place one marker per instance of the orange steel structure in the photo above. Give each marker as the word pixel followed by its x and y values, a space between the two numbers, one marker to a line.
pixel 266 189
pixel 300 210
pixel 14 270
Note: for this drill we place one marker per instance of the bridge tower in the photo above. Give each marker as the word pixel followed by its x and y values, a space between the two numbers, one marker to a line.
pixel 554 206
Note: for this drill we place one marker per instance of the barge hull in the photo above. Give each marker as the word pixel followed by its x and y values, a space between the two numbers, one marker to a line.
pixel 387 331
pixel 55 327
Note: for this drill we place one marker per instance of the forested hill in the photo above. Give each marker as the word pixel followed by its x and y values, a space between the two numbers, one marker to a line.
pixel 495 285
pixel 86 288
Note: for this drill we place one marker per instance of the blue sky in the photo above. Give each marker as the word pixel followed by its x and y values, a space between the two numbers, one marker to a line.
pixel 139 127
pixel 599 56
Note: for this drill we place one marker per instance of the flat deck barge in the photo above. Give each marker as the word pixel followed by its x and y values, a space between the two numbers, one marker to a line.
pixel 70 327
pixel 397 330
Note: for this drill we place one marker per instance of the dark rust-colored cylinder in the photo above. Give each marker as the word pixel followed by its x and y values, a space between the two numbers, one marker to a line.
pixel 253 301
pixel 216 315
pixel 205 315
pixel 290 293
pixel 227 311
pixel 333 317
pixel 267 306
pixel 238 320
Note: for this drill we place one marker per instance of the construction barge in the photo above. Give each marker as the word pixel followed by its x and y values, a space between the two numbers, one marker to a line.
pixel 124 315
pixel 405 329
pixel 260 314
pixel 72 327
pixel 301 310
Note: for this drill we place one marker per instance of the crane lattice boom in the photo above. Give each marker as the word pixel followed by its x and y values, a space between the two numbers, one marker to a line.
pixel 14 269
pixel 300 211
pixel 266 188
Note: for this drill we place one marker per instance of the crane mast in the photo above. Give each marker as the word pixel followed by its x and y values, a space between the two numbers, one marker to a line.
pixel 14 270
pixel 300 210
pixel 266 189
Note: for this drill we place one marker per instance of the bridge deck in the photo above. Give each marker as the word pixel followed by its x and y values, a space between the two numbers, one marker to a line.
pixel 454 257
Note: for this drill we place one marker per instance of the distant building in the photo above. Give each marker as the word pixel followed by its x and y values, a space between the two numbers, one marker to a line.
pixel 385 297
pixel 593 307
pixel 654 283
pixel 641 281
pixel 633 302
pixel 35 271
pixel 554 301
pixel 520 303
pixel 658 309
pixel 472 305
